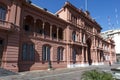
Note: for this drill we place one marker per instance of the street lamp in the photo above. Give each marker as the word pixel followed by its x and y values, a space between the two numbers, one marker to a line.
pixel 49 65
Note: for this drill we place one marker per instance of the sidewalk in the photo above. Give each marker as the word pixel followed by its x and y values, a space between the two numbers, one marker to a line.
pixel 45 73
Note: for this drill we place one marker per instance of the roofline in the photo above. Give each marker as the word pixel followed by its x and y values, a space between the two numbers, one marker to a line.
pixel 46 12
pixel 67 3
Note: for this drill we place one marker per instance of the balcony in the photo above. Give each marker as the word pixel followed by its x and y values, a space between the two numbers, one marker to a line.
pixel 7 26
pixel 76 43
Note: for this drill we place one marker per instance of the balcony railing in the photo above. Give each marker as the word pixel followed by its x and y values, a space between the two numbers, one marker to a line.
pixel 4 25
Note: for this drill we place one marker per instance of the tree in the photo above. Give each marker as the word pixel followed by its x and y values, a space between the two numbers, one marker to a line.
pixel 96 75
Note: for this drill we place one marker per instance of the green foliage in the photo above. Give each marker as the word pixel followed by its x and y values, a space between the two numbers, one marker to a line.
pixel 96 75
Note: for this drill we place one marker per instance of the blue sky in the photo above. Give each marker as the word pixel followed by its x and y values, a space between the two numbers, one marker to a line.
pixel 103 11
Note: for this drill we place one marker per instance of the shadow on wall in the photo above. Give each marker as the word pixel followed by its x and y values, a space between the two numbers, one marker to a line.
pixel 27 65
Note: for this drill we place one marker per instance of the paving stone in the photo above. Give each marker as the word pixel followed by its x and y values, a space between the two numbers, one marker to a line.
pixel 59 74
pixel 4 72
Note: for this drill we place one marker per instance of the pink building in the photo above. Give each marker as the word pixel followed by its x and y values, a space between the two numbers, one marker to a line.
pixel 32 38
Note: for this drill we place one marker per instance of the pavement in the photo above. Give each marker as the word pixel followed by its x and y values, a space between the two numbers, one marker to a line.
pixel 4 72
pixel 58 74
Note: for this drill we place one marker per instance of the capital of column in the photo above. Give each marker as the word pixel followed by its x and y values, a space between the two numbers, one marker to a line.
pixel 43 31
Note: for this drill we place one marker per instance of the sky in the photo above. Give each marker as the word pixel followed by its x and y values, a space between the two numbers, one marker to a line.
pixel 105 12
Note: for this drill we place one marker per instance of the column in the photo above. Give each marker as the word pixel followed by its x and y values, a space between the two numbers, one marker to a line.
pixel 43 33
pixel 64 35
pixel 94 41
pixel 83 57
pixel 51 32
pixel 57 33
pixel 34 30
pixel 96 57
pixel 97 42
pixel 67 35
pixel 80 36
pixel 86 55
pixel 68 56
pixel 84 40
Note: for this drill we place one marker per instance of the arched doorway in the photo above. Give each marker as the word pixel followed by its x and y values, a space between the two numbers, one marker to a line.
pixel 74 55
pixel 89 51
pixel 1 50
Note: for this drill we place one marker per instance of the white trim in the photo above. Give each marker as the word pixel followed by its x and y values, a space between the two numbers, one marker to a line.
pixel 83 65
pixel 96 63
pixel 77 65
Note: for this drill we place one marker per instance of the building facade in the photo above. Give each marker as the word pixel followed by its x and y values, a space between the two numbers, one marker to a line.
pixel 32 38
pixel 115 35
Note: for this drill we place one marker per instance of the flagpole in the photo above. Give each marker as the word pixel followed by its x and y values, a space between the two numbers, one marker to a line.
pixel 86 5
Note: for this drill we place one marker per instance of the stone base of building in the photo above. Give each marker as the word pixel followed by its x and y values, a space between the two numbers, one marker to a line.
pixel 77 65
pixel 83 65
pixel 96 63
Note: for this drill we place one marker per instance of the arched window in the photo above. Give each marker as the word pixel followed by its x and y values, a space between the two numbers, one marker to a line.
pixel 74 36
pixel 47 29
pixel 38 26
pixel 28 23
pixel 28 52
pixel 2 13
pixel 46 53
pixel 60 54
pixel 74 55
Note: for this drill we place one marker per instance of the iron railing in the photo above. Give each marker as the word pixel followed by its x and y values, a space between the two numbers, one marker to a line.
pixel 8 26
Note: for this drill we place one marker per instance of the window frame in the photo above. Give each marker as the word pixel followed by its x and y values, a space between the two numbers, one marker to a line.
pixel 46 52
pixel 3 12
pixel 74 36
pixel 74 52
pixel 27 54
pixel 60 53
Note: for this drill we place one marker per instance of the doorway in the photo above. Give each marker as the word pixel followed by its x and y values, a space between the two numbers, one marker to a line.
pixel 89 52
pixel 1 50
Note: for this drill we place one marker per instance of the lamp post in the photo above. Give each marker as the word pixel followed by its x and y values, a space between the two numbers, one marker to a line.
pixel 49 62
pixel 86 5
pixel 49 65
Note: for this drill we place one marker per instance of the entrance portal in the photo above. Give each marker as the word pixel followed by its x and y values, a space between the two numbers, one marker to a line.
pixel 89 52
pixel 1 50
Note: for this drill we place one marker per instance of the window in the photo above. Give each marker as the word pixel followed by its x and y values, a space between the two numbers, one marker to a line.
pixel 1 42
pixel 60 54
pixel 31 53
pixel 2 13
pixel 74 55
pixel 74 19
pixel 98 43
pixel 1 50
pixel 28 52
pixel 40 31
pixel 26 28
pixel 74 36
pixel 24 52
pixel 46 53
pixel 60 33
pixel 54 35
pixel 101 54
pixel 83 38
